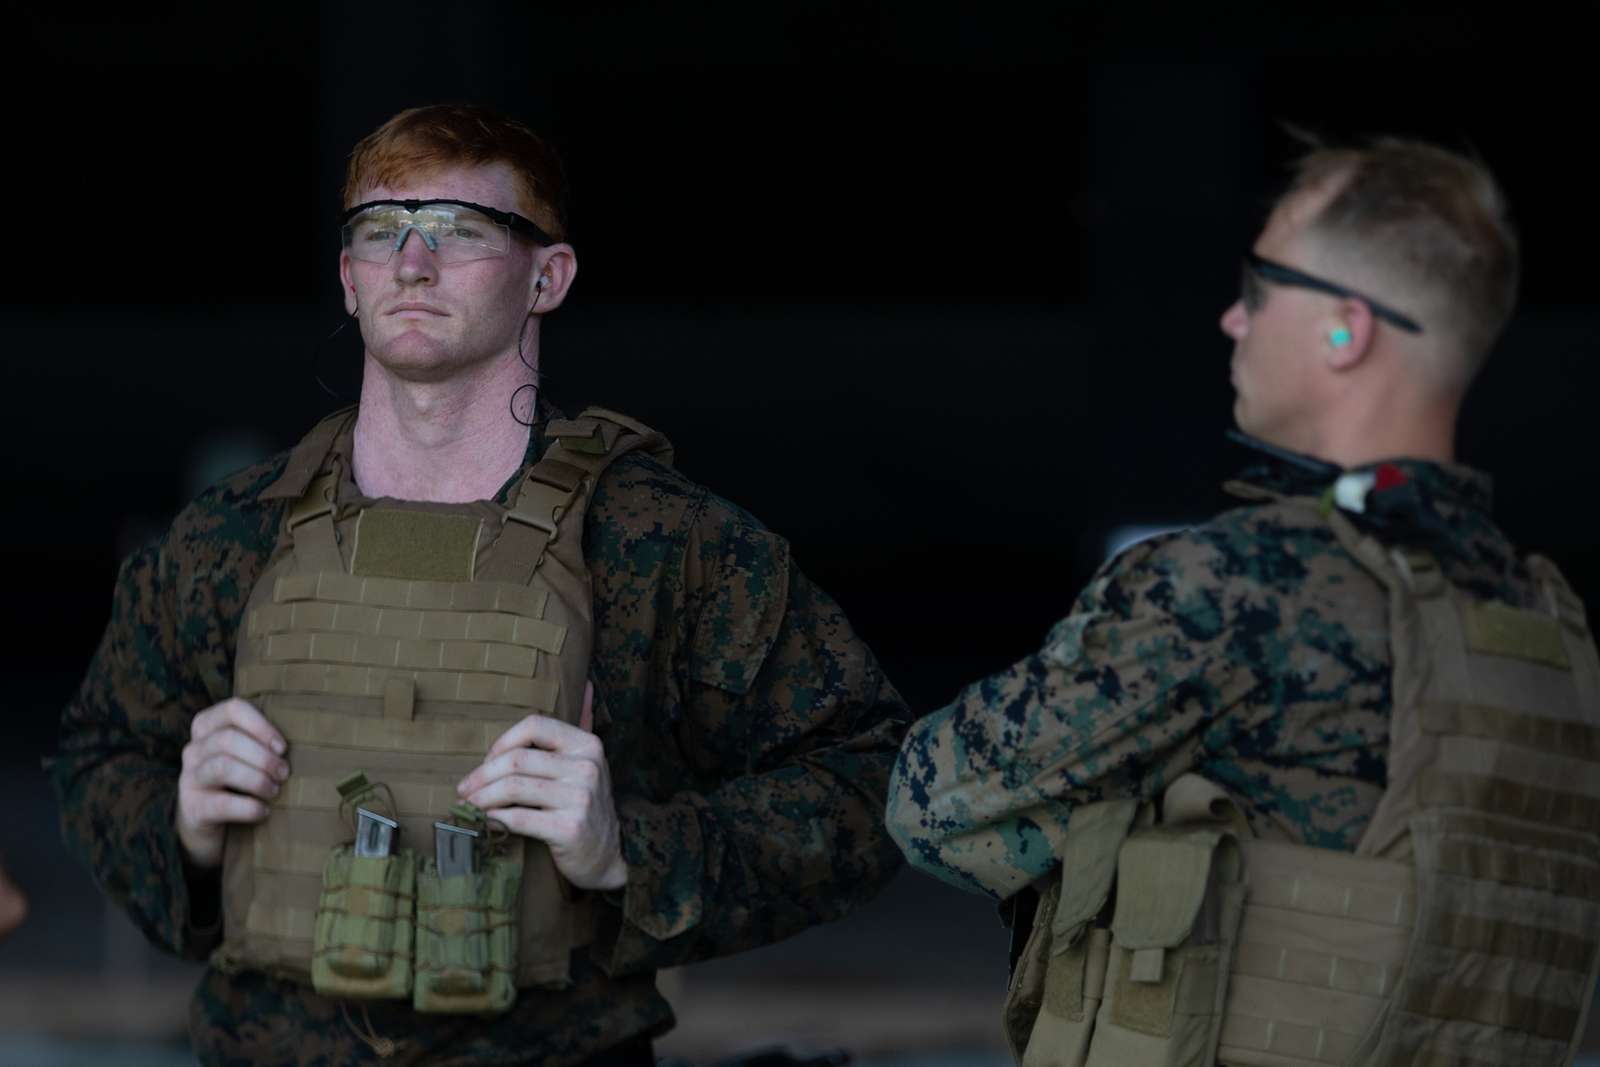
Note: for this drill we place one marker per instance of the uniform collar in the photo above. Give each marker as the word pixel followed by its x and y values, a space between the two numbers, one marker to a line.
pixel 1394 496
pixel 328 446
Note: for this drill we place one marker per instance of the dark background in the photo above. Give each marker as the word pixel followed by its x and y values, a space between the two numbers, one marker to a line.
pixel 931 289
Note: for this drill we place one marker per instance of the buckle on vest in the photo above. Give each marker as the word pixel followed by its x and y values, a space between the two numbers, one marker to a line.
pixel 587 440
pixel 537 522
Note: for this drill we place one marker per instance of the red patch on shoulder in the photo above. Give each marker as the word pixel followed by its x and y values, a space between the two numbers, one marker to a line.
pixel 1389 476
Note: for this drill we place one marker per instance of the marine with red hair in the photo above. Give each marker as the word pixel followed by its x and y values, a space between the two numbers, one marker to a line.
pixel 441 732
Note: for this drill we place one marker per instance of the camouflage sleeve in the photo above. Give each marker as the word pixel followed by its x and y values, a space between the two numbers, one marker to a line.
pixel 121 743
pixel 166 654
pixel 1115 704
pixel 796 728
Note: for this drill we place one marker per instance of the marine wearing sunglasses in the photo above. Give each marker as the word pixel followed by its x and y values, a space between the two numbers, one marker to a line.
pixel 1256 270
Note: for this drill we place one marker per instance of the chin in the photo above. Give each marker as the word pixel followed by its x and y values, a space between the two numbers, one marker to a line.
pixel 418 362
pixel 1240 417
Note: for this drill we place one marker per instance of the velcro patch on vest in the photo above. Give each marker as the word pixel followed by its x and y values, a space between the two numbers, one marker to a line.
pixel 418 545
pixel 1143 1006
pixel 1497 629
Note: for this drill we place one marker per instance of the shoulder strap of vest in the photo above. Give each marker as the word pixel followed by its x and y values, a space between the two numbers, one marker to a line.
pixel 1563 602
pixel 309 482
pixel 553 497
pixel 308 458
pixel 1408 570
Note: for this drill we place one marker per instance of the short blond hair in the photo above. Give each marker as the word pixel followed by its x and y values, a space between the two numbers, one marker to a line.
pixel 1434 220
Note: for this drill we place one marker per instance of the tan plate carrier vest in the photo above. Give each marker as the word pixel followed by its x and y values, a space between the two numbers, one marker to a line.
pixel 400 639
pixel 1463 932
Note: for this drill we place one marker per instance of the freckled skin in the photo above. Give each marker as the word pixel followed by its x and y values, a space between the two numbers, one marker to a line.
pixel 749 734
pixel 1252 649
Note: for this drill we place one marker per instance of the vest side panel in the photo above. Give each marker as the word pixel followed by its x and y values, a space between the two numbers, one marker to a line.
pixel 1505 834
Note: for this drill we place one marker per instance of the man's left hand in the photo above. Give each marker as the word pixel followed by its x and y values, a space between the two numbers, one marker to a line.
pixel 547 780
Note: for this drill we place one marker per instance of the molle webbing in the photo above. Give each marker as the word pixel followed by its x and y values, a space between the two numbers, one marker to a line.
pixel 580 450
pixel 402 639
pixel 1493 793
pixel 1327 939
pixel 467 642
pixel 1319 952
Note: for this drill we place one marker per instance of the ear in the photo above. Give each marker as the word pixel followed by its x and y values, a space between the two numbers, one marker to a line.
pixel 1235 321
pixel 558 266
pixel 347 284
pixel 1347 336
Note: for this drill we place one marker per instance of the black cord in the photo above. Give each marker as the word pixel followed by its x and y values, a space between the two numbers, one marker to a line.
pixel 537 378
pixel 316 363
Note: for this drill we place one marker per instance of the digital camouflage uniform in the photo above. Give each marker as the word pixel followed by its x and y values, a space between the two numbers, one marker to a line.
pixel 749 733
pixel 1253 650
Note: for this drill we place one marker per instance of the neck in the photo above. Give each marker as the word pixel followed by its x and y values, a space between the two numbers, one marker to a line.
pixel 450 441
pixel 1390 425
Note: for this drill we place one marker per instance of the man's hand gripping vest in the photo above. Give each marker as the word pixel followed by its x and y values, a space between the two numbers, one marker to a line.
pixel 391 643
pixel 1464 931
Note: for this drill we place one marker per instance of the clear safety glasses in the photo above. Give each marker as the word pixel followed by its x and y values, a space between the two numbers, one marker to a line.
pixel 456 231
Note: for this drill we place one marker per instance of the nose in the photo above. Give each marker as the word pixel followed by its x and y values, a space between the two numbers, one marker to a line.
pixel 1235 321
pixel 414 260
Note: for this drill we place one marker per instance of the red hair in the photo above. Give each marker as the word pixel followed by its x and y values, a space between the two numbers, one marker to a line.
pixel 421 140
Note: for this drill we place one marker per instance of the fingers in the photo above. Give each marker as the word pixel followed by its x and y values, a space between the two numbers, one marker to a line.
pixel 240 715
pixel 231 770
pixel 586 716
pixel 238 746
pixel 532 762
pixel 583 843
pixel 216 807
pixel 225 756
pixel 227 772
pixel 541 731
pixel 558 829
pixel 203 815
pixel 519 791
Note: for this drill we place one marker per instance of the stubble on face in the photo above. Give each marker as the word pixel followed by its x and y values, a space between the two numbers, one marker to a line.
pixel 423 321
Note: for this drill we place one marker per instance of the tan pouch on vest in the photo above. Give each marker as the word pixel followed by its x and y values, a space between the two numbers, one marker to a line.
pixel 1180 894
pixel 362 941
pixel 467 928
pixel 1066 946
pixel 362 934
pixel 467 937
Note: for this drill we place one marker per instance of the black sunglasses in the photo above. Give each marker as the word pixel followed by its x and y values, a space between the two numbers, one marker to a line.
pixel 1277 273
pixel 526 227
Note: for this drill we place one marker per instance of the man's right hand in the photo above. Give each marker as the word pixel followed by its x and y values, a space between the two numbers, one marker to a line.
pixel 232 768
